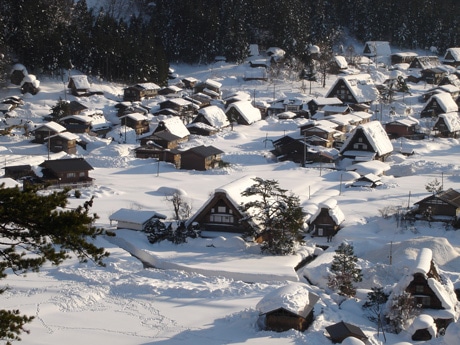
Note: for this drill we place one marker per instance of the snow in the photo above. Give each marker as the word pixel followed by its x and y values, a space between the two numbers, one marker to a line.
pixel 207 290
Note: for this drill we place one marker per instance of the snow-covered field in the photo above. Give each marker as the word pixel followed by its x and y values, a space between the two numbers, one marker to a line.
pixel 208 289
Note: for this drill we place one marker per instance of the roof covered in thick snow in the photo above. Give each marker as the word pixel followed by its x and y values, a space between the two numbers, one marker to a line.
pixel 375 134
pixel 294 297
pixel 215 116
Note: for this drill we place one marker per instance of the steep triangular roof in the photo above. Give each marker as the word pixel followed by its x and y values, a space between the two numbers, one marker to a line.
pixel 246 110
pixel 361 87
pixel 375 134
pixel 215 116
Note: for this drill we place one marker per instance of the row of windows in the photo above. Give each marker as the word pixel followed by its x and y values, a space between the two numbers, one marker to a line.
pixel 72 174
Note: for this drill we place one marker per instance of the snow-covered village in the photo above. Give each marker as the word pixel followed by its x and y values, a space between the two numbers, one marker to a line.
pixel 241 203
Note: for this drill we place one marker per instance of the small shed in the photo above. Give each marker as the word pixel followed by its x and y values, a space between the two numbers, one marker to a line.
pixel 64 141
pixel 447 125
pixel 30 84
pixel 423 328
pixel 288 307
pixel 134 219
pixel 342 330
pixel 46 130
pixel 325 218
pixel 18 171
pixel 136 121
pixel 79 85
pixel 18 72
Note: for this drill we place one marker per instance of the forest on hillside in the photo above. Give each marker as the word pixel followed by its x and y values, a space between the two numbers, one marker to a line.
pixel 135 40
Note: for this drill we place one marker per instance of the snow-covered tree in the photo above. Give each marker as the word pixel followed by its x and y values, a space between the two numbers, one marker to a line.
pixel 375 305
pixel 344 271
pixel 401 310
pixel 279 216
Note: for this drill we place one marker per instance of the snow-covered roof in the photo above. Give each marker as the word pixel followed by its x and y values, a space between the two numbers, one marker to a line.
pixel 80 81
pixel 313 209
pixel 30 78
pixel 213 83
pixel 19 67
pixel 423 321
pixel 175 126
pixel 245 108
pixel 445 101
pixel 362 114
pixel 452 121
pixel 376 135
pixel 374 167
pixel 179 101
pixel 135 116
pixel 321 101
pixel 454 52
pixel 423 262
pixel 65 135
pixel 361 86
pixel 294 297
pixel 134 216
pixel 378 48
pixel 149 86
pixel 341 61
pixel 52 126
pixel 215 116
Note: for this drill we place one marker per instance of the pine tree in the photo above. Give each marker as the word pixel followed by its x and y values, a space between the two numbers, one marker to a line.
pixel 279 216
pixel 39 224
pixel 344 271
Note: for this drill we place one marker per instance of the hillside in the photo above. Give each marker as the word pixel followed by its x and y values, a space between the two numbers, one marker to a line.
pixel 208 289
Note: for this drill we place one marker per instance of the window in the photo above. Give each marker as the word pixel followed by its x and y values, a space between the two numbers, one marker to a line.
pixel 81 174
pixel 419 288
pixel 71 174
pixel 221 209
pixel 220 218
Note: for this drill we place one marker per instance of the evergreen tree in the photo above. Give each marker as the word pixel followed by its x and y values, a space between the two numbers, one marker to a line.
pixel 344 271
pixel 60 110
pixel 36 229
pixel 279 216
pixel 374 306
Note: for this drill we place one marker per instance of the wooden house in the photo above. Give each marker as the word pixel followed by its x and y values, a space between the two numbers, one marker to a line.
pixel 243 113
pixel 200 128
pixel 288 307
pixel 425 62
pixel 181 106
pixel 201 158
pixel 438 104
pixel 170 91
pixel 445 203
pixel 338 64
pixel 450 79
pixel 174 126
pixel 451 89
pixel 134 219
pixel 189 82
pixel 124 108
pixel 407 127
pixel 64 141
pixel 79 85
pixel 18 72
pixel 291 149
pixel 18 171
pixel 338 332
pixel 452 57
pixel 152 150
pixel 354 89
pixel 402 58
pixel 76 108
pixel 46 130
pixel 30 84
pixel 213 116
pixel 163 139
pixel 433 75
pixel 296 105
pixel 327 133
pixel 86 123
pixel 378 51
pixel 317 104
pixel 221 212
pixel 136 121
pixel 447 125
pixel 431 290
pixel 368 181
pixel 367 142
pixel 70 171
pixel 140 91
pixel 209 87
pixel 324 219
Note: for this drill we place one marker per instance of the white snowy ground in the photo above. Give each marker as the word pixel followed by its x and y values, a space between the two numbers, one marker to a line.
pixel 207 294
